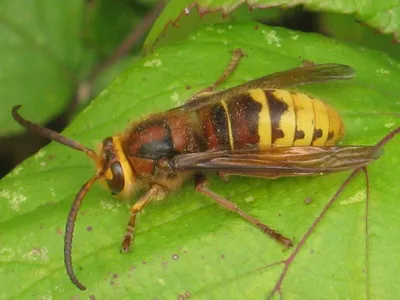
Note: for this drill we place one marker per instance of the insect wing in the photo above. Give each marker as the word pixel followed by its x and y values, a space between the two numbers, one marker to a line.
pixel 279 161
pixel 308 74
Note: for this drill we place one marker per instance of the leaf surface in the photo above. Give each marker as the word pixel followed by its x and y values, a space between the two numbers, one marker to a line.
pixel 47 50
pixel 188 246
pixel 188 14
pixel 40 53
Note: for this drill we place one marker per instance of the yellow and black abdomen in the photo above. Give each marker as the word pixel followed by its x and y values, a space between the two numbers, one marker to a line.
pixel 270 118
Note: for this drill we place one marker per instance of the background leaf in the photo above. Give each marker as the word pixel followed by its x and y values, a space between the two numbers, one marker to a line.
pixel 188 14
pixel 40 53
pixel 48 49
pixel 58 56
pixel 345 28
pixel 187 246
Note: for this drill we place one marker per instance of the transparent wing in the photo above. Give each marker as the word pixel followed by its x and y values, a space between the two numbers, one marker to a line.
pixel 308 74
pixel 279 161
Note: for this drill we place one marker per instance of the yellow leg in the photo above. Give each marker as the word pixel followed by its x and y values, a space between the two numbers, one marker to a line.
pixel 237 54
pixel 155 191
pixel 200 182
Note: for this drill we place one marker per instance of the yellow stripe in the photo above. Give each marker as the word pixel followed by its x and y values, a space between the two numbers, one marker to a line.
pixel 304 118
pixel 335 126
pixel 129 177
pixel 287 123
pixel 321 122
pixel 264 119
pixel 229 124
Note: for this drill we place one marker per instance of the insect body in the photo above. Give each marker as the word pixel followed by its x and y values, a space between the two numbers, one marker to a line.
pixel 254 129
pixel 269 118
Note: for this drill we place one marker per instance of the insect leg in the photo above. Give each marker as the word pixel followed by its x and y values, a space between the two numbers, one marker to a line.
pixel 237 54
pixel 223 176
pixel 200 187
pixel 155 191
pixel 308 63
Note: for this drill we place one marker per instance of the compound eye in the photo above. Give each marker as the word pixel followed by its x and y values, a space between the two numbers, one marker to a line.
pixel 116 184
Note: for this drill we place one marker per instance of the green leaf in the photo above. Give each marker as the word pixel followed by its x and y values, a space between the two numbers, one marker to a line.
pixel 346 28
pixel 48 48
pixel 188 14
pixel 187 245
pixel 40 54
pixel 109 24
